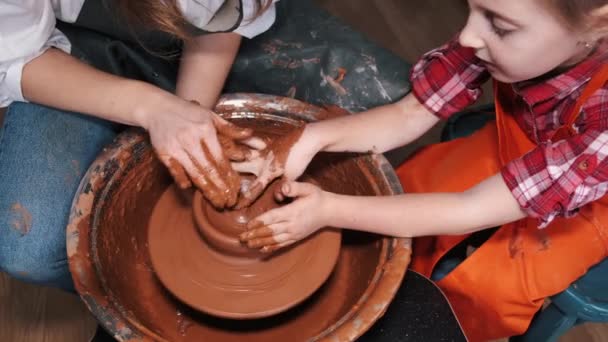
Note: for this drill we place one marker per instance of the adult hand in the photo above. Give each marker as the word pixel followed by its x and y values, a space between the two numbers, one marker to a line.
pixel 197 145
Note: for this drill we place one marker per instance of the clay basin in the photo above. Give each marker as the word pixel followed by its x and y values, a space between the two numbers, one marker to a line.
pixel 111 268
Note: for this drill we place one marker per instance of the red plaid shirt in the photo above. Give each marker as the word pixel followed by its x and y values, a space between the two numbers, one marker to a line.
pixel 557 177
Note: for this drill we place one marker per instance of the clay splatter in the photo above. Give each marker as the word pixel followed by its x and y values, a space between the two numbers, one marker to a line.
pixel 516 241
pixel 291 93
pixel 275 45
pixel 23 221
pixel 74 174
pixel 290 63
pixel 544 242
pixel 334 82
pixel 274 48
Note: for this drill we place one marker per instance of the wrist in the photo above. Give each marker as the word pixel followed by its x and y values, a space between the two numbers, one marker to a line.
pixel 315 137
pixel 151 101
pixel 328 209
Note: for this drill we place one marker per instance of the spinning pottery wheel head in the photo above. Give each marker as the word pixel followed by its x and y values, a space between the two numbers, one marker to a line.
pixel 201 261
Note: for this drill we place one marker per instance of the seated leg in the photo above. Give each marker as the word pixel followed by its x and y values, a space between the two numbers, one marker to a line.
pixel 43 155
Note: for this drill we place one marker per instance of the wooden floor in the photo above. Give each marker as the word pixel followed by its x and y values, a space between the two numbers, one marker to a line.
pixel 409 28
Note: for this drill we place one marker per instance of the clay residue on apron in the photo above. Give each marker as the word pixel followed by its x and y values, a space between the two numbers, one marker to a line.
pixel 23 219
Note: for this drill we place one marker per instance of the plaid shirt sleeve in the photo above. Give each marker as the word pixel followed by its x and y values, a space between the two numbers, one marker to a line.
pixel 555 179
pixel 448 79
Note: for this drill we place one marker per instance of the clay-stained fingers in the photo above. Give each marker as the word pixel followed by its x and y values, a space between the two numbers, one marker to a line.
pixel 233 151
pixel 259 231
pixel 199 179
pixel 220 172
pixel 231 178
pixel 272 218
pixel 231 130
pixel 267 175
pixel 208 138
pixel 239 151
pixel 275 247
pixel 268 241
pixel 201 158
pixel 255 190
pixel 176 170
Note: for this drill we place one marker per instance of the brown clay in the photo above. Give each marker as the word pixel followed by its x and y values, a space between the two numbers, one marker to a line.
pixel 222 228
pixel 228 283
pixel 278 150
pixel 222 190
pixel 197 255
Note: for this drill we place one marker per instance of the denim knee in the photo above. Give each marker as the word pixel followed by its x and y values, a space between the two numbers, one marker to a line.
pixel 27 260
pixel 44 152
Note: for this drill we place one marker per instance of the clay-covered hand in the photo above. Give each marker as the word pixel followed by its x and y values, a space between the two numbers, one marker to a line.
pixel 293 222
pixel 197 145
pixel 287 156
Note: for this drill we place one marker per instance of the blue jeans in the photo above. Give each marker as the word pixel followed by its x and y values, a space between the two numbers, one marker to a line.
pixel 44 153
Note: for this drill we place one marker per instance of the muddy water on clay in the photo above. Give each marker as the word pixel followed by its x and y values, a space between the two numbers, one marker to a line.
pixel 121 255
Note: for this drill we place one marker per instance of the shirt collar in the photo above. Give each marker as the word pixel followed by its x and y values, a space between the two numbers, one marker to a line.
pixel 560 86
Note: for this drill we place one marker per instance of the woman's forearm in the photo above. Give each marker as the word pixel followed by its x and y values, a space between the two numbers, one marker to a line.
pixel 488 204
pixel 377 130
pixel 59 80
pixel 205 64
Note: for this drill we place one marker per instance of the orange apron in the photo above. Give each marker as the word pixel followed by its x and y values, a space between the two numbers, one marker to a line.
pixel 496 291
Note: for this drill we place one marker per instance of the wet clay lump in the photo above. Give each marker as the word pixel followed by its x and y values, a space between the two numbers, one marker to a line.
pixel 228 284
pixel 196 254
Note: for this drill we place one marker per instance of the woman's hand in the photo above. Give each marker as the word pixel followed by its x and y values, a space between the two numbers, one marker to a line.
pixel 197 145
pixel 286 225
pixel 287 156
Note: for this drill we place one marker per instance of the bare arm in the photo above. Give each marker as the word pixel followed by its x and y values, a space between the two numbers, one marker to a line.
pixel 486 205
pixel 206 61
pixel 61 81
pixel 177 127
pixel 378 130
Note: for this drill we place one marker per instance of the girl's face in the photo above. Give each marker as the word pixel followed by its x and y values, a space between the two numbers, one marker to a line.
pixel 520 40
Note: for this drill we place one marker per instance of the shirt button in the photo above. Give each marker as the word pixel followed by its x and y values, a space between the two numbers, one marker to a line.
pixel 583 165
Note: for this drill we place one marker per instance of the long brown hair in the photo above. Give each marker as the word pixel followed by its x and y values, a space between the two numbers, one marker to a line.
pixel 586 14
pixel 163 15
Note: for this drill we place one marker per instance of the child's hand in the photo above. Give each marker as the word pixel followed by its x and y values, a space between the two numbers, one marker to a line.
pixel 283 226
pixel 287 156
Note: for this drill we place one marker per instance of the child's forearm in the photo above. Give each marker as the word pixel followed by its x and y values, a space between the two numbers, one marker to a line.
pixel 377 130
pixel 488 204
pixel 61 81
pixel 205 63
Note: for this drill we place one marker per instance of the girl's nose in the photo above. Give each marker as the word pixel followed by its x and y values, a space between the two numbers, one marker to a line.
pixel 469 36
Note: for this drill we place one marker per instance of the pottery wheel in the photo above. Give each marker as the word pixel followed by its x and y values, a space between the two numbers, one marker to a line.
pixel 196 254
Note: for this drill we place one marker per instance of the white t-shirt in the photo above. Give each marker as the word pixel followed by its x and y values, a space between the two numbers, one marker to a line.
pixel 27 29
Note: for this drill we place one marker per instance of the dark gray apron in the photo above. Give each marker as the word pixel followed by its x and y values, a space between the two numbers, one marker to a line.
pixel 301 56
